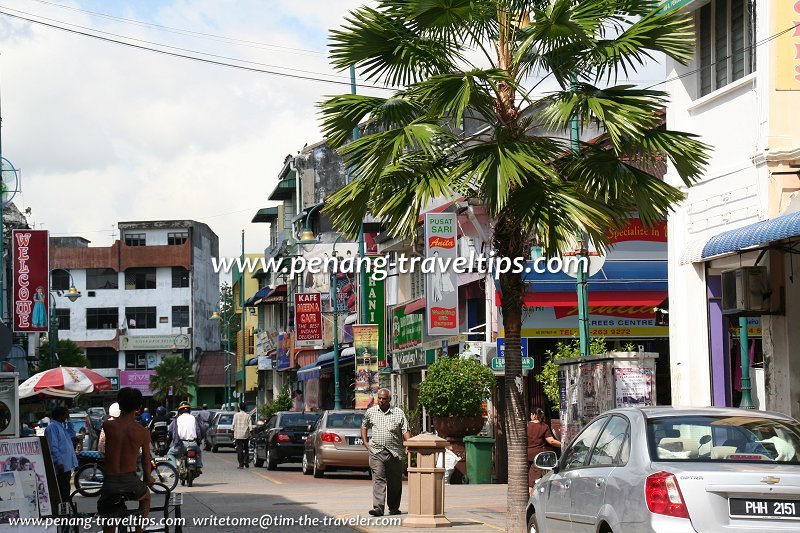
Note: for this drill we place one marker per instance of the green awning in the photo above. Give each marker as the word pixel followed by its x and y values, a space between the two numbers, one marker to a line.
pixel 285 188
pixel 266 214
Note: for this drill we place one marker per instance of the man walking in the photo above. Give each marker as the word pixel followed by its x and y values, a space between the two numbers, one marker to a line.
pixel 125 440
pixel 241 435
pixel 59 438
pixel 389 429
pixel 204 415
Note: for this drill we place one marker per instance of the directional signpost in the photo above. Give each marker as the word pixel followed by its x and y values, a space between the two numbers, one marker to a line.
pixel 499 363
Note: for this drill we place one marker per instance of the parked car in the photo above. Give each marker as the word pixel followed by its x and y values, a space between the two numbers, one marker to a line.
pixel 282 438
pixel 662 469
pixel 220 432
pixel 78 421
pixel 335 444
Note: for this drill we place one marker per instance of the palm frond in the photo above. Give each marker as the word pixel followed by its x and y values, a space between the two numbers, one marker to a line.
pixel 341 114
pixel 687 153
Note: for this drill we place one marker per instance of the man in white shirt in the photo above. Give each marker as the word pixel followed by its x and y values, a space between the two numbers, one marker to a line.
pixel 185 429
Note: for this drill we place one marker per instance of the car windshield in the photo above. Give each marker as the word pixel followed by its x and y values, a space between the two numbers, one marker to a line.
pixel 298 419
pixel 345 420
pixel 225 420
pixel 724 439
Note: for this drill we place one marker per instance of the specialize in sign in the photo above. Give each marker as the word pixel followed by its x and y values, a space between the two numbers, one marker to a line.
pixel 30 264
pixel 441 285
pixel 308 317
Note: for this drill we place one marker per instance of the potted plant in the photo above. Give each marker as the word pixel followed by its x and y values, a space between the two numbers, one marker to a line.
pixel 453 393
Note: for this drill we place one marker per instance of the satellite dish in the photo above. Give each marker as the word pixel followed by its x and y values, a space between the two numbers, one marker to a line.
pixel 9 181
pixel 596 259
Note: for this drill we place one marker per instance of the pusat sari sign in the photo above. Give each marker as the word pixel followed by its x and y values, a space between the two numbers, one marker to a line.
pixel 441 285
pixel 30 267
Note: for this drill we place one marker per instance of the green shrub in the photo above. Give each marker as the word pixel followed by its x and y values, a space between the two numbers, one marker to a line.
pixel 282 402
pixel 456 387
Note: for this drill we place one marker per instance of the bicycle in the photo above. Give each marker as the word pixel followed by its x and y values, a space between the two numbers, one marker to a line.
pixel 88 478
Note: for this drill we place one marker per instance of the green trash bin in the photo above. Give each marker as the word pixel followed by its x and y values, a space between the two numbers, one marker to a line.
pixel 479 459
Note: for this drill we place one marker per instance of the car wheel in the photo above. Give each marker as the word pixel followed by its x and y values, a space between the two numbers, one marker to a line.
pixel 206 446
pixel 272 464
pixel 215 448
pixel 306 466
pixel 318 471
pixel 533 527
pixel 257 462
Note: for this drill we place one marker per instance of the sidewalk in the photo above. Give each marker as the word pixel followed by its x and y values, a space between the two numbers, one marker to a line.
pixel 470 508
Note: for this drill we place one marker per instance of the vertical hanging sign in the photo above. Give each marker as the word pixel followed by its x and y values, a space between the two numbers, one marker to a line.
pixel 441 283
pixel 365 342
pixel 308 315
pixel 376 308
pixel 30 267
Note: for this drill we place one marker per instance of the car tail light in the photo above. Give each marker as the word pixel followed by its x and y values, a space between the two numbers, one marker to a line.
pixel 664 496
pixel 330 437
pixel 191 453
pixel 283 437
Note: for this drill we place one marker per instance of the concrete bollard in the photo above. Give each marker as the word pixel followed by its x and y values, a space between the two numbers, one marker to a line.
pixel 425 482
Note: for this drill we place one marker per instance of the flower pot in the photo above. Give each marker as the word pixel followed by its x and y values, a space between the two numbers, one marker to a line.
pixel 457 426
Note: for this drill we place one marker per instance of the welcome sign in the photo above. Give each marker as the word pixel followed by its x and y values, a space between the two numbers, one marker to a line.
pixel 30 266
pixel 441 283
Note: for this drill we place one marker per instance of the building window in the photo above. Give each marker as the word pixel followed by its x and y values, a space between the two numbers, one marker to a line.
pixel 102 357
pixel 180 316
pixel 140 278
pixel 63 319
pixel 59 280
pixel 177 238
pixel 141 317
pixel 101 278
pixel 417 284
pixel 135 239
pixel 102 318
pixel 135 360
pixel 727 31
pixel 180 277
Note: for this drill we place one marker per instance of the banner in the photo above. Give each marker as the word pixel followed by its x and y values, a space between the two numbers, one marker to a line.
pixel 30 266
pixel 406 329
pixel 308 318
pixel 376 312
pixel 441 285
pixel 27 455
pixel 137 379
pixel 283 351
pixel 634 387
pixel 366 344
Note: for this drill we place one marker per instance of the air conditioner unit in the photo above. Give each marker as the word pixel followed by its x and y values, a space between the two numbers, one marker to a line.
pixel 745 291
pixel 488 352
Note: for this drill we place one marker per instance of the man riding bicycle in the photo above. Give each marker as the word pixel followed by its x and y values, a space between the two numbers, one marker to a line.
pixel 185 430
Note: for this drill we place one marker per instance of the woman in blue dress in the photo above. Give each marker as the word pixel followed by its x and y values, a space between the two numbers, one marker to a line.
pixel 39 310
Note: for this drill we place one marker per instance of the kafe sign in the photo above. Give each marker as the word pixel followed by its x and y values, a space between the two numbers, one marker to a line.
pixel 308 318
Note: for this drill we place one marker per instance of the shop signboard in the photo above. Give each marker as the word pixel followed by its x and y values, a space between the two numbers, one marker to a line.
pixel 30 266
pixel 376 306
pixel 308 313
pixel 667 5
pixel 137 379
pixel 499 363
pixel 501 346
pixel 114 382
pixel 28 455
pixel 366 345
pixel 410 359
pixel 155 342
pixel 283 351
pixel 441 283
pixel 406 329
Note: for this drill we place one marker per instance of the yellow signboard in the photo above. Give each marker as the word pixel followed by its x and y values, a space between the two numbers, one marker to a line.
pixel 787 45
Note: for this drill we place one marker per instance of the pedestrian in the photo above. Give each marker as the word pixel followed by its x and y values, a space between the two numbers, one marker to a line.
pixel 297 402
pixel 204 415
pixel 389 429
pixel 59 436
pixel 125 440
pixel 540 439
pixel 113 412
pixel 241 435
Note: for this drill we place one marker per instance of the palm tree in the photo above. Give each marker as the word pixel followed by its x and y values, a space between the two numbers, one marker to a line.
pixel 173 378
pixel 538 187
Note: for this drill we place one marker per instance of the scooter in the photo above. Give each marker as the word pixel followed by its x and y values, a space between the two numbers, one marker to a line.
pixel 160 446
pixel 187 464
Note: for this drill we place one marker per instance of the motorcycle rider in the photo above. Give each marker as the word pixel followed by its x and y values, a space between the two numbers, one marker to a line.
pixel 185 430
pixel 158 427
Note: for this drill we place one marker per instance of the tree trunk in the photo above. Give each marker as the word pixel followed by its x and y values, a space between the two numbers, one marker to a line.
pixel 509 243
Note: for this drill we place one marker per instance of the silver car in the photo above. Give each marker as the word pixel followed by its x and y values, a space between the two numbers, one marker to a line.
pixel 672 470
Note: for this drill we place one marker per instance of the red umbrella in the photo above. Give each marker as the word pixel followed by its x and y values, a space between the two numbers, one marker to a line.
pixel 64 381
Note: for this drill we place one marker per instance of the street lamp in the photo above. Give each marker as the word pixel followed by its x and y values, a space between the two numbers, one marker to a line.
pixel 227 351
pixel 72 294
pixel 181 342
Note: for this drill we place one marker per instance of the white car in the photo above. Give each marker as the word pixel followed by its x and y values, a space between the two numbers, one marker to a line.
pixel 673 470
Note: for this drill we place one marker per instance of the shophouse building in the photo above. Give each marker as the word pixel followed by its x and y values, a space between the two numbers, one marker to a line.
pixel 145 297
pixel 743 217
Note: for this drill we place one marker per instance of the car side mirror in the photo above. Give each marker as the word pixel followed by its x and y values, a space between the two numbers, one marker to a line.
pixel 704 439
pixel 309 427
pixel 546 460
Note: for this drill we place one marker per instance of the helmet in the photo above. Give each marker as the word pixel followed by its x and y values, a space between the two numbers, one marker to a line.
pixel 114 410
pixel 184 406
pixel 161 411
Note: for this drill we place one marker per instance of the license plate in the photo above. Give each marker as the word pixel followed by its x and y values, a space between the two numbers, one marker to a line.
pixel 191 460
pixel 303 437
pixel 356 441
pixel 758 508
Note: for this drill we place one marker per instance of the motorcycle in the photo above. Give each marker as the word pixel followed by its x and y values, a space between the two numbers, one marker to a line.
pixel 187 463
pixel 89 475
pixel 160 446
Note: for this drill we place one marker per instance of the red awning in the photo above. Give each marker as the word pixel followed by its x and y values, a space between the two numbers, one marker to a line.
pixel 596 298
pixel 415 306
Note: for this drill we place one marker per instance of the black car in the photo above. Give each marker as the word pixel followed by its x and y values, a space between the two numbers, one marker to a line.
pixel 282 438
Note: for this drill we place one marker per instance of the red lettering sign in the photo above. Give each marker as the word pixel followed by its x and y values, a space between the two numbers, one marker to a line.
pixel 31 280
pixel 439 242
